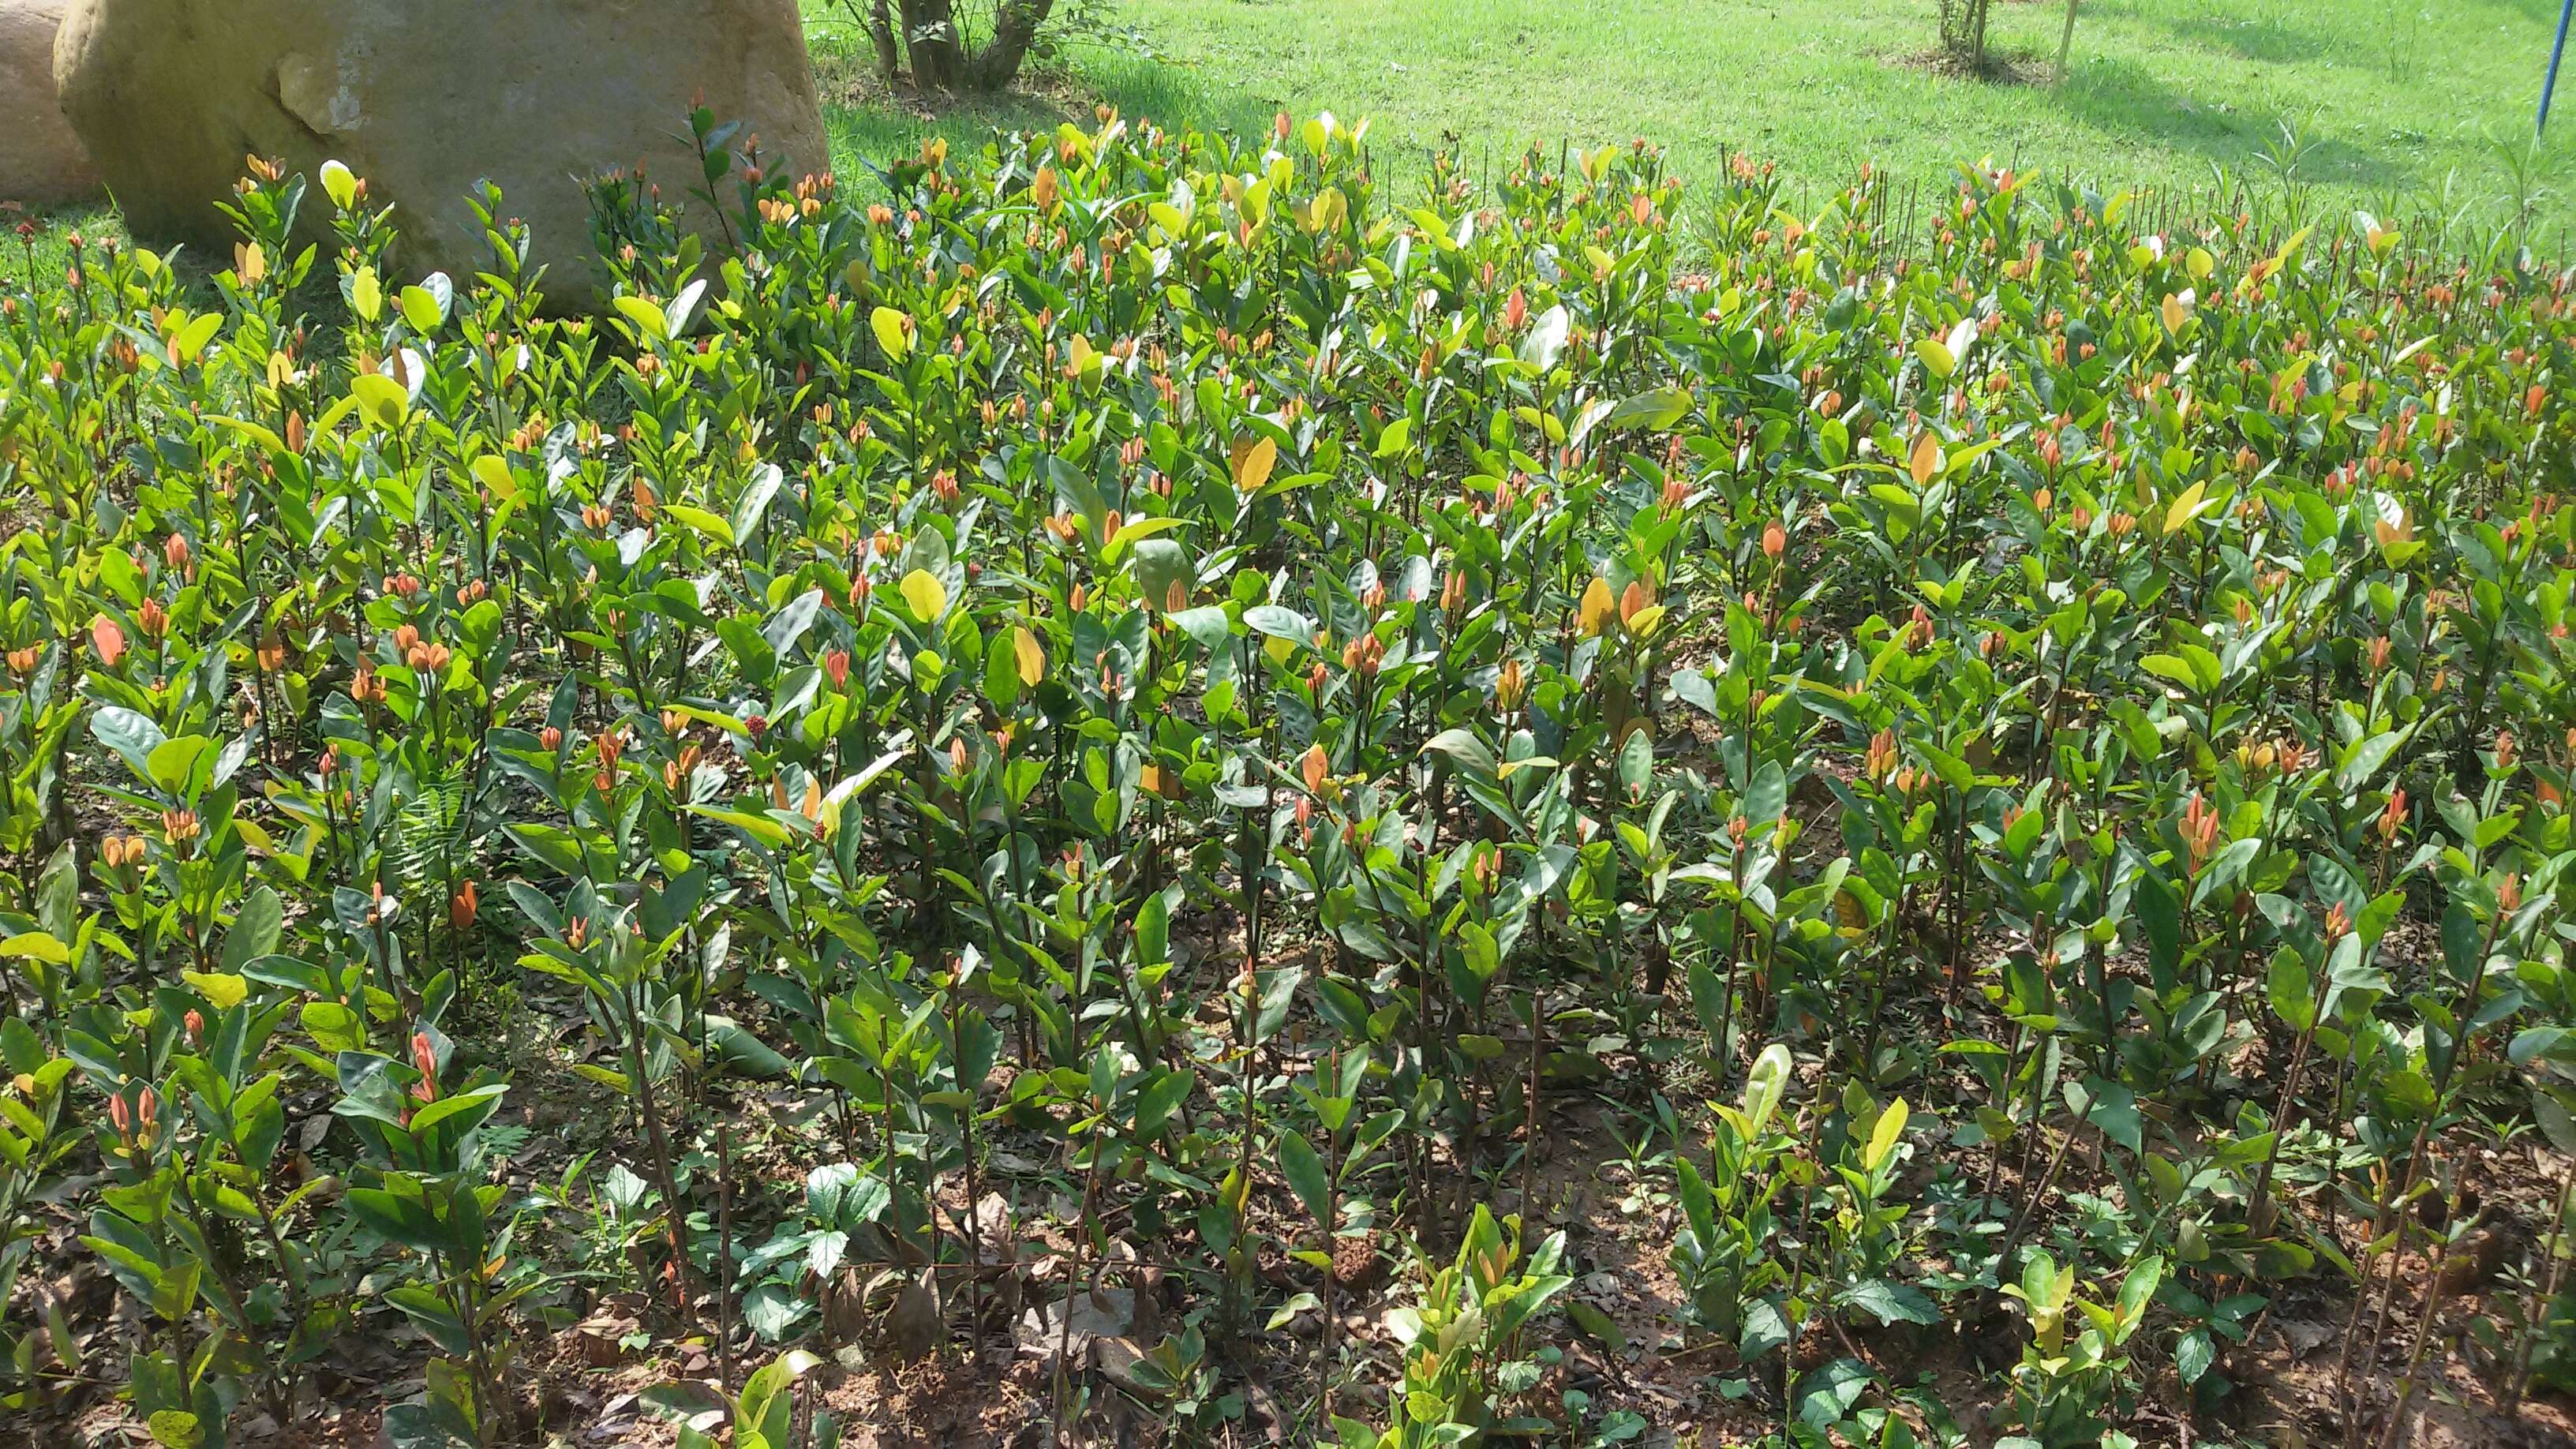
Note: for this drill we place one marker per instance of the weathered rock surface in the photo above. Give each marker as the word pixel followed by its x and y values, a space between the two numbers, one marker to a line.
pixel 424 99
pixel 41 160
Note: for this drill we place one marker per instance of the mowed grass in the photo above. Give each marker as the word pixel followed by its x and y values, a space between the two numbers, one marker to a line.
pixel 2413 110
pixel 2420 113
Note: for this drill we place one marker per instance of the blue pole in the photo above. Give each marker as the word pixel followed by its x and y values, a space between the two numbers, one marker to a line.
pixel 2557 49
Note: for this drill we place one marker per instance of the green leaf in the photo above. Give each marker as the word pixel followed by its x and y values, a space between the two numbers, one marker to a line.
pixel 1655 411
pixel 733 1043
pixel 404 1221
pixel 1826 1395
pixel 1546 339
pixel 132 735
pixel 1597 1323
pixel 1464 749
pixel 2159 909
pixel 255 930
pixel 759 827
pixel 2193 1353
pixel 1161 1098
pixel 1765 1083
pixel 1304 1169
pixel 1890 1302
pixel 1766 1327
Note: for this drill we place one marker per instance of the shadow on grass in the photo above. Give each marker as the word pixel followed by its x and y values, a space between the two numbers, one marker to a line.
pixel 867 119
pixel 2126 99
pixel 2267 39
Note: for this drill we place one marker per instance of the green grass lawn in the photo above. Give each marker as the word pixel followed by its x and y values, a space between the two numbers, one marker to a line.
pixel 2407 108
pixel 2415 112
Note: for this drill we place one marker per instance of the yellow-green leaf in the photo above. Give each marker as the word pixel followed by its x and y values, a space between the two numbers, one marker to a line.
pixel 2187 505
pixel 382 399
pixel 712 525
pixel 1030 654
pixel 35 946
pixel 420 309
pixel 925 595
pixel 892 335
pixel 1883 1138
pixel 648 319
pixel 495 475
pixel 340 184
pixel 222 990
pixel 189 338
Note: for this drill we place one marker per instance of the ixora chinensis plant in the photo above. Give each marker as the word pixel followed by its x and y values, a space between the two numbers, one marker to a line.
pixel 1463 1358
pixel 1118 751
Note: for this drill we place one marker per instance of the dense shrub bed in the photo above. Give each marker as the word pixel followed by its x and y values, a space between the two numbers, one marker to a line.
pixel 1111 765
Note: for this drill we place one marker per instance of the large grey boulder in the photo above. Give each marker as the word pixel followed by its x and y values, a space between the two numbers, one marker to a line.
pixel 424 99
pixel 41 161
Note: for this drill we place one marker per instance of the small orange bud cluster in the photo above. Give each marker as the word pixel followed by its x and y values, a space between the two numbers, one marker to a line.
pixel 418 654
pixel 180 827
pixel 424 1060
pixel 676 772
pixel 137 1123
pixel 1880 760
pixel 2199 831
